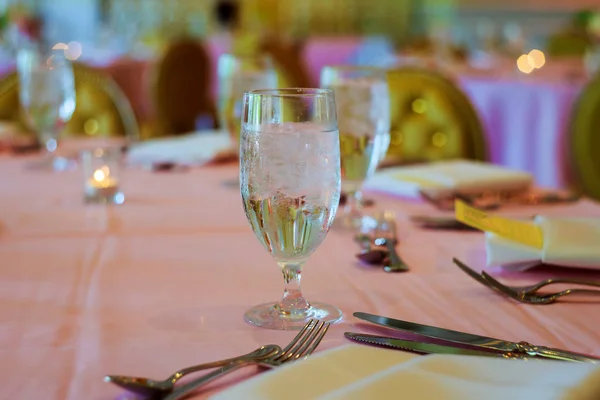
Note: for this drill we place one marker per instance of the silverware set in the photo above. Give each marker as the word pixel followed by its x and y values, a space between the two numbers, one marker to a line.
pixel 379 248
pixel 379 245
pixel 531 294
pixel 268 356
pixel 455 342
pixel 311 335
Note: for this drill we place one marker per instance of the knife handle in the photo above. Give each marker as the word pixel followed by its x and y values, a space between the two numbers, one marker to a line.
pixel 554 354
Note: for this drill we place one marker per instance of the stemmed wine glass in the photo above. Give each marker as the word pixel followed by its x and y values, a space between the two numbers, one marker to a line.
pixel 47 95
pixel 290 185
pixel 363 109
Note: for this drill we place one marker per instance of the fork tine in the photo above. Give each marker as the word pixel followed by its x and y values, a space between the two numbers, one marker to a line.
pixel 298 341
pixel 313 336
pixel 317 341
pixel 466 269
pixel 500 287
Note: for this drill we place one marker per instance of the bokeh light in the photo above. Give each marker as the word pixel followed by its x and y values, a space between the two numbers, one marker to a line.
pixel 538 58
pixel 525 64
pixel 60 46
pixel 73 51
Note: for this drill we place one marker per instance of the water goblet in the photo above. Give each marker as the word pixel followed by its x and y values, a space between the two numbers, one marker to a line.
pixel 47 96
pixel 290 186
pixel 363 109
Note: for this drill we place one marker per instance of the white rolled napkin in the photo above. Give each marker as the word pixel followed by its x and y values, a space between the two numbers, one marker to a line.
pixel 448 177
pixel 568 242
pixel 363 372
pixel 192 149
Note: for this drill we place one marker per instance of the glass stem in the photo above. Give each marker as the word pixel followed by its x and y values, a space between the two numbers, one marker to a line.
pixel 292 303
pixel 353 204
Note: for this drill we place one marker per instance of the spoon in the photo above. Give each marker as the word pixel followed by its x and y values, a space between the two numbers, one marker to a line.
pixel 393 262
pixel 373 257
pixel 153 388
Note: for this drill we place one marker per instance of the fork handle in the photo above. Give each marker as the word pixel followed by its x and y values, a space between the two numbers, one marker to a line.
pixel 579 291
pixel 396 263
pixel 205 379
pixel 574 281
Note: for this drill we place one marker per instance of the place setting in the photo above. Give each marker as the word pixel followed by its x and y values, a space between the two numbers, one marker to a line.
pixel 264 200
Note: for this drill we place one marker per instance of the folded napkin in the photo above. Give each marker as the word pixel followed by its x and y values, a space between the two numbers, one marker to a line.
pixel 193 149
pixel 363 372
pixel 569 242
pixel 447 177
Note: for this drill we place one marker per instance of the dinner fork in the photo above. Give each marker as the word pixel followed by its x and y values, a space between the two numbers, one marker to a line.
pixel 523 290
pixel 302 346
pixel 152 388
pixel 533 298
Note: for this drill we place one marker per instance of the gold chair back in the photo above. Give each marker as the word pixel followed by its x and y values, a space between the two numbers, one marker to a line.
pixel 102 109
pixel 584 140
pixel 287 58
pixel 181 88
pixel 431 119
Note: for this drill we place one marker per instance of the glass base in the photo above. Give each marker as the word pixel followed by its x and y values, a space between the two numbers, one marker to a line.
pixel 269 316
pixel 104 198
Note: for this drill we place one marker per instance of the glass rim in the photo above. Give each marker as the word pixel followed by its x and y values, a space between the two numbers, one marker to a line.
pixel 291 92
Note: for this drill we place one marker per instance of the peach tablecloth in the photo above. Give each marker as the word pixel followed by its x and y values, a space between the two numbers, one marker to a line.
pixel 162 281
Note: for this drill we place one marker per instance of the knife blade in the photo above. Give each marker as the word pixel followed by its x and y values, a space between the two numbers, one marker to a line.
pixel 476 341
pixel 419 347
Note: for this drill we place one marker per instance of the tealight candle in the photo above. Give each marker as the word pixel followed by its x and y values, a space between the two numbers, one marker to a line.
pixel 102 184
pixel 100 172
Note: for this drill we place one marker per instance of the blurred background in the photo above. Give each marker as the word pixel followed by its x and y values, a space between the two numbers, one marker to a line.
pixel 95 22
pixel 522 67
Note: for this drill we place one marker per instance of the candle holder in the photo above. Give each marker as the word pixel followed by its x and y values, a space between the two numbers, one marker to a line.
pixel 101 169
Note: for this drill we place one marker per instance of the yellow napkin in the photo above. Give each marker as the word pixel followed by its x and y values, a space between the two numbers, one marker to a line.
pixel 569 242
pixel 363 372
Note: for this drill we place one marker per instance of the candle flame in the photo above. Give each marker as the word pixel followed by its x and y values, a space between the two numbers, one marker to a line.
pixel 101 174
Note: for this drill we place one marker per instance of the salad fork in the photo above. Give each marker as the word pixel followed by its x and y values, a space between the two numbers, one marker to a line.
pixel 534 298
pixel 522 290
pixel 302 346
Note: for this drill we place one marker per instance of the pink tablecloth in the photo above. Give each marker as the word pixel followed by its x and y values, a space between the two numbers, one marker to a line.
pixel 162 281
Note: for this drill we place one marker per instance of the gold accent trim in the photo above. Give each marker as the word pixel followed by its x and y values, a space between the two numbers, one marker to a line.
pixel 584 140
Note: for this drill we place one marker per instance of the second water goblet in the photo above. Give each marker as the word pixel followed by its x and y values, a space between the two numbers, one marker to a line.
pixel 363 109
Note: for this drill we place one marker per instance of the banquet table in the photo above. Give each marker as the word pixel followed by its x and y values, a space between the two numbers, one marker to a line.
pixel 162 282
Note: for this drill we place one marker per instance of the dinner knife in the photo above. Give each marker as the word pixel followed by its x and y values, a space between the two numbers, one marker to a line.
pixel 425 348
pixel 476 341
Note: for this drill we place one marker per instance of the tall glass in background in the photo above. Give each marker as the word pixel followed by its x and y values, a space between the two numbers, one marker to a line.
pixel 47 95
pixel 239 74
pixel 290 185
pixel 363 109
